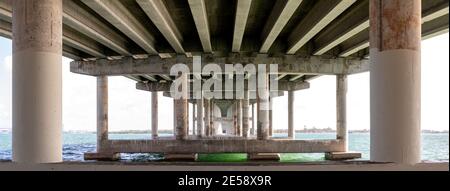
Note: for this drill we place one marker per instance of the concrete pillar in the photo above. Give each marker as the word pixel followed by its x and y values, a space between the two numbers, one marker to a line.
pixel 212 128
pixel 395 37
pixel 102 112
pixel 245 114
pixel 207 117
pixel 239 118
pixel 37 81
pixel 181 114
pixel 200 131
pixel 271 117
pixel 252 132
pixel 263 109
pixel 193 118
pixel 235 118
pixel 154 114
pixel 291 103
pixel 341 110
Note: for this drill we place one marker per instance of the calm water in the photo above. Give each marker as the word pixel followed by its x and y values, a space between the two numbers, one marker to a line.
pixel 435 147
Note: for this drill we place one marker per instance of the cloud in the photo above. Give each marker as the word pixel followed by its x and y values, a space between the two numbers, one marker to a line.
pixel 8 62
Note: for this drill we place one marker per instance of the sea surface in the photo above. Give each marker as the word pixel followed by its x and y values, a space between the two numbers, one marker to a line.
pixel 435 147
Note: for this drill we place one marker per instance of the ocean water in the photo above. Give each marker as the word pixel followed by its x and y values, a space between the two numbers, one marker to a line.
pixel 435 147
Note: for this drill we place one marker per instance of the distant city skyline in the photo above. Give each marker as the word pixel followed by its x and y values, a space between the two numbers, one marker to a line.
pixel 315 107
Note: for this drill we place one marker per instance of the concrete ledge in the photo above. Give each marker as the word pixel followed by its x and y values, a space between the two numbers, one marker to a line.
pixel 342 155
pixel 102 156
pixel 223 146
pixel 246 166
pixel 263 157
pixel 180 157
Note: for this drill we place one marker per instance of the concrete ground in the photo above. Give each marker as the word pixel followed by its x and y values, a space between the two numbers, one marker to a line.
pixel 209 166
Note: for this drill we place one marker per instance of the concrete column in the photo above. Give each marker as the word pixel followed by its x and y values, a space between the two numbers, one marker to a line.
pixel 193 118
pixel 207 117
pixel 341 110
pixel 102 112
pixel 37 81
pixel 245 114
pixel 212 128
pixel 200 131
pixel 181 114
pixel 291 103
pixel 395 33
pixel 235 118
pixel 263 109
pixel 154 114
pixel 239 118
pixel 271 117
pixel 252 132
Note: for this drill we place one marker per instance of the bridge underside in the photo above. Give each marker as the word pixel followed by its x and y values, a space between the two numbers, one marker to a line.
pixel 143 39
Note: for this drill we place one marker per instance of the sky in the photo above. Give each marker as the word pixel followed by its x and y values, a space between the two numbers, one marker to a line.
pixel 129 108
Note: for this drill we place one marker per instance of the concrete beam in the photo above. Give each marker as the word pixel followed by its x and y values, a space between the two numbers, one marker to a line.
pixel 5 29
pixel 435 27
pixel 279 17
pixel 72 39
pixel 240 23
pixel 155 65
pixel 158 13
pixel 198 10
pixel 224 146
pixel 349 24
pixel 119 16
pixel 84 22
pixel 322 14
pixel 165 87
pixel 5 10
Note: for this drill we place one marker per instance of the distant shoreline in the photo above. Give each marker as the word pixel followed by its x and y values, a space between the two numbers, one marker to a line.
pixel 275 131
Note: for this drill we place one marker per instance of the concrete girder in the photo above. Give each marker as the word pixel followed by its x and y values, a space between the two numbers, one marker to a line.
pixel 119 16
pixel 349 24
pixel 240 23
pixel 86 23
pixel 84 44
pixel 322 14
pixel 155 65
pixel 198 10
pixel 165 87
pixel 158 13
pixel 279 17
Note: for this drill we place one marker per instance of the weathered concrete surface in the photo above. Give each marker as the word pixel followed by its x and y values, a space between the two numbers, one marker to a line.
pixel 210 166
pixel 102 156
pixel 102 112
pixel 181 116
pixel 180 157
pixel 291 103
pixel 395 81
pixel 341 109
pixel 200 117
pixel 224 146
pixel 155 65
pixel 37 81
pixel 154 114
pixel 263 157
pixel 342 155
pixel 245 115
